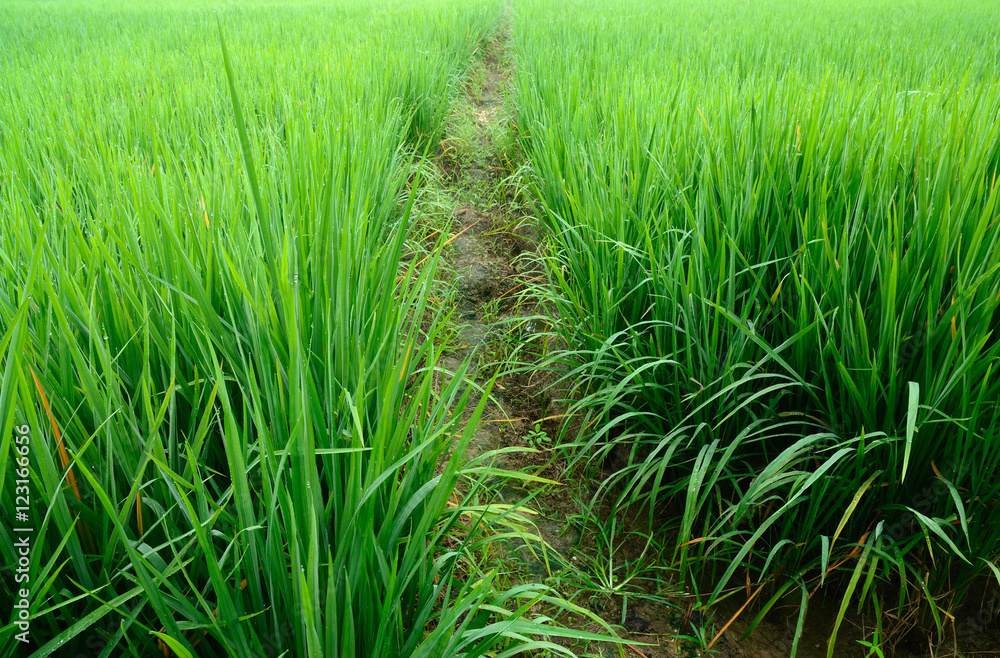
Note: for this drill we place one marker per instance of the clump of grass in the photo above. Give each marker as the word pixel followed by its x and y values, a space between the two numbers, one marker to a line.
pixel 776 270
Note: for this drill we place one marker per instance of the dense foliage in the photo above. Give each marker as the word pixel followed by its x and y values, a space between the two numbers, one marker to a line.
pixel 212 324
pixel 775 268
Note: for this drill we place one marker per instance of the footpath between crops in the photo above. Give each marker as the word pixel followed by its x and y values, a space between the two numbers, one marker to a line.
pixel 492 262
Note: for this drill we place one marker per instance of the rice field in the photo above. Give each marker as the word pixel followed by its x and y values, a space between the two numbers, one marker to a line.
pixel 770 282
pixel 775 271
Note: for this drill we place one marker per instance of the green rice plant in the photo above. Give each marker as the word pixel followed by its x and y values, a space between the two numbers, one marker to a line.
pixel 775 270
pixel 239 444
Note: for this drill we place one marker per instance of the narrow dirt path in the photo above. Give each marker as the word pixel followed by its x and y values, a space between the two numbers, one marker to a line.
pixel 493 240
pixel 493 257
